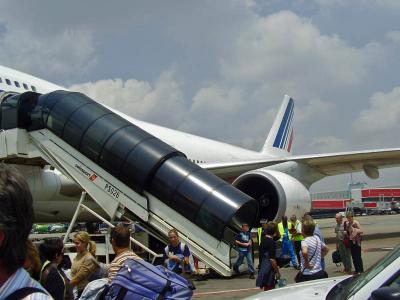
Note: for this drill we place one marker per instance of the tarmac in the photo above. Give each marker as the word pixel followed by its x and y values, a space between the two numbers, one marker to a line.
pixel 381 234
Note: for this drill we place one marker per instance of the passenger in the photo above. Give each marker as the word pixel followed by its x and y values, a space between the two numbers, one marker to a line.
pixel 85 263
pixel 287 246
pixel 341 235
pixel 312 250
pixel 120 241
pixel 244 241
pixel 51 277
pixel 32 260
pixel 16 218
pixel 177 256
pixel 261 230
pixel 260 234
pixel 295 229
pixel 318 233
pixel 269 270
pixel 353 229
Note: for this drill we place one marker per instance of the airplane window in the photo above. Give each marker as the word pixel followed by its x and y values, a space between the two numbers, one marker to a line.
pixel 33 88
pixel 8 81
pixel 25 86
pixel 16 83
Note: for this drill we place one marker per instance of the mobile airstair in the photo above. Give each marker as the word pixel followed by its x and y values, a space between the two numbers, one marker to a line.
pixel 123 168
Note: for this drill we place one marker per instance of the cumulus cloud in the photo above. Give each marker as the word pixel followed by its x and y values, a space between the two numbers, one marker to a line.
pixel 394 36
pixel 313 109
pixel 273 55
pixel 383 113
pixel 61 55
pixel 284 46
pixel 161 102
pixel 382 3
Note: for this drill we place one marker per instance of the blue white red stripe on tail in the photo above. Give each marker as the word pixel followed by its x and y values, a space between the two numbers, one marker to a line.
pixel 284 137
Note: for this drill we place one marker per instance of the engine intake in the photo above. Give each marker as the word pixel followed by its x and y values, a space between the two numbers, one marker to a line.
pixel 277 193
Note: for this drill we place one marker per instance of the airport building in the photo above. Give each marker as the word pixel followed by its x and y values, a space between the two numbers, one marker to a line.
pixel 359 198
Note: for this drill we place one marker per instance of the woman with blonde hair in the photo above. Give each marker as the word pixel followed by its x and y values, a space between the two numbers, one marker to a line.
pixel 85 263
pixel 32 260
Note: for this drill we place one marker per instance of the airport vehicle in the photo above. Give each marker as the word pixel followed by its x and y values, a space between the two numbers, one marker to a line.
pixel 42 124
pixel 58 228
pixel 380 281
pixel 41 228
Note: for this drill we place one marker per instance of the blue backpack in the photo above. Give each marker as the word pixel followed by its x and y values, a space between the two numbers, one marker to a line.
pixel 138 279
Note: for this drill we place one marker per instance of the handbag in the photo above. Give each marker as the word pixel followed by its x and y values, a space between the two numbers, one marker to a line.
pixel 336 257
pixel 298 277
pixel 346 242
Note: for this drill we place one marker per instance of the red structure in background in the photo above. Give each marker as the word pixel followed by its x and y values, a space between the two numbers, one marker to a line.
pixel 330 204
pixel 369 200
pixel 377 193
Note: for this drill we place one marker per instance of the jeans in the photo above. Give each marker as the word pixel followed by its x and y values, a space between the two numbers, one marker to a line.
pixel 345 256
pixel 242 255
pixel 287 249
pixel 356 255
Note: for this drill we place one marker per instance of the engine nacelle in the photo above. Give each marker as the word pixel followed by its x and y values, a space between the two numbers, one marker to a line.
pixel 277 193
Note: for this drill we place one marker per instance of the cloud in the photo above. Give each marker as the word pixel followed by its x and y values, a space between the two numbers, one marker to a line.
pixel 286 47
pixel 394 36
pixel 161 102
pixel 379 3
pixel 382 115
pixel 327 144
pixel 61 55
pixel 313 109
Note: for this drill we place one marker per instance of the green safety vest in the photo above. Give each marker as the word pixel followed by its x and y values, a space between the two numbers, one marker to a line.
pixel 281 230
pixel 295 237
pixel 259 234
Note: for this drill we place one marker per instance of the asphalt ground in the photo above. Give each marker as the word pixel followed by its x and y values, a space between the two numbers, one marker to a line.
pixel 381 233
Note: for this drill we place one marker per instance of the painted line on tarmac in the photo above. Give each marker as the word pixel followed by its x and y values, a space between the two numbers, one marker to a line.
pixel 226 291
pixel 381 249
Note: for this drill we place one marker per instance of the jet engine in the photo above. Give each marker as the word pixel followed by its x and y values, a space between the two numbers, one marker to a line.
pixel 277 193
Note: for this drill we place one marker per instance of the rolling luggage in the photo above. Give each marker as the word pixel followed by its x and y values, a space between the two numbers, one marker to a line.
pixel 138 279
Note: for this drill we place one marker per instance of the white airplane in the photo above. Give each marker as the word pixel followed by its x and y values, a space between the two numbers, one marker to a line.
pixel 279 180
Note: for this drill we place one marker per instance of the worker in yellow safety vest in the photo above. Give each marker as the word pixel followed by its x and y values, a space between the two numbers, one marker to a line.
pixel 260 234
pixel 260 230
pixel 287 246
pixel 297 237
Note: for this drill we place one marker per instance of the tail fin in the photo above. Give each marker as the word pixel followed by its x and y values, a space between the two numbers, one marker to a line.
pixel 280 137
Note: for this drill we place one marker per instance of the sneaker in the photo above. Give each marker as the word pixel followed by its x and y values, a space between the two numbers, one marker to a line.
pixel 251 276
pixel 236 269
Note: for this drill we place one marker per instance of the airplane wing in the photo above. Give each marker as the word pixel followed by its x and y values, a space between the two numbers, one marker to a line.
pixel 329 164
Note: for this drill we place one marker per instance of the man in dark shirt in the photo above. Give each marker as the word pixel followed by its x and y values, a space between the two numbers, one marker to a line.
pixel 244 242
pixel 52 279
pixel 269 270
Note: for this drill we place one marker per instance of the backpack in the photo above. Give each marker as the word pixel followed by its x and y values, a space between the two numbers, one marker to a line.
pixel 138 279
pixel 191 266
pixel 336 257
pixel 24 292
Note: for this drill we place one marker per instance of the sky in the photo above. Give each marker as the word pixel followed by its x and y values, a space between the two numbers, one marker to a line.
pixel 220 69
